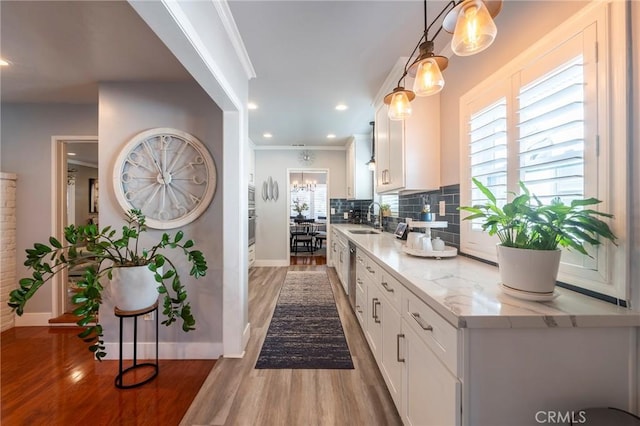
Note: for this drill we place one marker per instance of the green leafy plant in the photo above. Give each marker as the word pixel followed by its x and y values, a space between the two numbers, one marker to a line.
pixel 385 207
pixel 527 223
pixel 103 251
pixel 298 207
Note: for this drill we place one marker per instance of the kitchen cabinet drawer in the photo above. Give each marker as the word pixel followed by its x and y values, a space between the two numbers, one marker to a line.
pixel 370 268
pixel 391 288
pixel 440 336
pixel 361 303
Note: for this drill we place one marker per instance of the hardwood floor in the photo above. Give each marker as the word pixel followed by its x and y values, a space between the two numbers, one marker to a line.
pixel 237 394
pixel 49 378
pixel 308 260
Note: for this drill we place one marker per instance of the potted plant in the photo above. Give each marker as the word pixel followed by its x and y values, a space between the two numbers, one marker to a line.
pixel 103 256
pixel 300 207
pixel 531 233
pixel 385 210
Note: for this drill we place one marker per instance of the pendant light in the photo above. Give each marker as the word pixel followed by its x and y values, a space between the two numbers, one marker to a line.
pixel 472 25
pixel 372 163
pixel 473 30
pixel 427 70
pixel 399 102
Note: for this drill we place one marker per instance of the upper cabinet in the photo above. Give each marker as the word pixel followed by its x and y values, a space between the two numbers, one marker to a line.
pixel 252 166
pixel 408 152
pixel 359 179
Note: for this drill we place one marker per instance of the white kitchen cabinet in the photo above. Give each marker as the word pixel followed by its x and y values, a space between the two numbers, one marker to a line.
pixel 374 322
pixel 431 394
pixel 359 177
pixel 340 258
pixel 361 302
pixel 408 151
pixel 392 364
pixel 252 166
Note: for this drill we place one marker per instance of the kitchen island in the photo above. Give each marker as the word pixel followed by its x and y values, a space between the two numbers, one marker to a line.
pixel 454 349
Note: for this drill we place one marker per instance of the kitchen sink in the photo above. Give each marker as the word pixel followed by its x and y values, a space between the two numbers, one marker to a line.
pixel 363 231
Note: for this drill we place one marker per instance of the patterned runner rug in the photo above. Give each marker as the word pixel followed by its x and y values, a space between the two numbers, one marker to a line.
pixel 305 331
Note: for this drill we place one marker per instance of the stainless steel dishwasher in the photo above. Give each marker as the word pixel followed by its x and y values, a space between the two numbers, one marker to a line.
pixel 352 275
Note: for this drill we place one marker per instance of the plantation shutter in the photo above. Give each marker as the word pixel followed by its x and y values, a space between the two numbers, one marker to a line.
pixel 392 200
pixel 320 201
pixel 488 152
pixel 552 132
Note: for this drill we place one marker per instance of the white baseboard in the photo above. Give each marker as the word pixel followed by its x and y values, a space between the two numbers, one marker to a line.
pixel 33 320
pixel 166 350
pixel 271 262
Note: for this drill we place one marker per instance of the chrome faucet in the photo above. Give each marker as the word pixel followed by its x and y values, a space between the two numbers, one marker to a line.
pixel 377 224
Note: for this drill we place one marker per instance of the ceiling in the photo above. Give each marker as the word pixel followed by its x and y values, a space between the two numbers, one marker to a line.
pixel 308 56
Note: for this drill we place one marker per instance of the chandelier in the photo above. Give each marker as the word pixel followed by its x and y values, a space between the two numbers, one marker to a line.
pixel 473 29
pixel 308 185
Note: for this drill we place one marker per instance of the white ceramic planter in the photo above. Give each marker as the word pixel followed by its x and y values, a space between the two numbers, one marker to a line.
pixel 534 271
pixel 133 288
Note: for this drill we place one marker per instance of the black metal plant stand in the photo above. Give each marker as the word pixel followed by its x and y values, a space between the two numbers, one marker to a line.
pixel 135 314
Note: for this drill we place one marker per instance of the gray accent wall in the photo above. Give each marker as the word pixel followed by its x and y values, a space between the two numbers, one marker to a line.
pixel 27 151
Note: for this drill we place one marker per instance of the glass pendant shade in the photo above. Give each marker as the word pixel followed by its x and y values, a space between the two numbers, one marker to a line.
pixel 429 79
pixel 475 29
pixel 400 107
pixel 372 165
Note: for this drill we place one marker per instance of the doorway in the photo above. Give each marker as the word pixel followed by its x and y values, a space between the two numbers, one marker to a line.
pixel 308 200
pixel 75 198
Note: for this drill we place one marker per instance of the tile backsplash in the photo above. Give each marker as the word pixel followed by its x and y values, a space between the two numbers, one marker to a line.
pixel 351 207
pixel 410 205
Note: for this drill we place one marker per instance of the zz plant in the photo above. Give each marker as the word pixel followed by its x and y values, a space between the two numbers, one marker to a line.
pixel 527 223
pixel 104 251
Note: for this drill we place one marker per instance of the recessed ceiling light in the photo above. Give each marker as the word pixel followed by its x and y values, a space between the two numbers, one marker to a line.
pixel 71 153
pixel 252 105
pixel 331 136
pixel 267 135
pixel 341 107
pixel 3 63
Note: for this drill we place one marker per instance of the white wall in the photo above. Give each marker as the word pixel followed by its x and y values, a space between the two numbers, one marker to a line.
pixel 26 150
pixel 272 232
pixel 520 24
pixel 126 109
pixel 203 36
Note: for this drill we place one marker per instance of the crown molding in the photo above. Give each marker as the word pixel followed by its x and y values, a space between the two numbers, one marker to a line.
pixel 226 17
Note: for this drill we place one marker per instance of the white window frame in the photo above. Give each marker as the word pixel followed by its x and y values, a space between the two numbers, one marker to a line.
pixel 611 275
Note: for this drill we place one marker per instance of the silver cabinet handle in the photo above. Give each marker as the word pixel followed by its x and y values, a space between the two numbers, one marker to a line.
pixel 398 337
pixel 359 280
pixel 420 321
pixel 340 257
pixel 376 303
pixel 358 308
pixel 386 287
pixel 371 271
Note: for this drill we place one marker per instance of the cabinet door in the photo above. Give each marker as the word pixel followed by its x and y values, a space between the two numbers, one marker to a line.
pixel 396 178
pixel 382 148
pixel 374 322
pixel 431 393
pixel 392 362
pixel 351 160
pixel 361 300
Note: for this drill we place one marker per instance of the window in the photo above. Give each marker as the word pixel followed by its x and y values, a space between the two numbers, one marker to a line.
pixel 316 200
pixel 541 120
pixel 392 200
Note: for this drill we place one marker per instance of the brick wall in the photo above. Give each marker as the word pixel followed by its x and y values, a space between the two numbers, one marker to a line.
pixel 7 246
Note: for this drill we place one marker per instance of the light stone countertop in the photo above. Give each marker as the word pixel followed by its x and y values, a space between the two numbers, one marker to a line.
pixel 466 292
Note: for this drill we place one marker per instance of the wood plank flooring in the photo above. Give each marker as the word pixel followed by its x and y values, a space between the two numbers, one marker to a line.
pixel 49 378
pixel 237 394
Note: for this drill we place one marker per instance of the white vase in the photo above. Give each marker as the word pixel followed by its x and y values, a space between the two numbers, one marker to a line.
pixel 533 271
pixel 134 288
